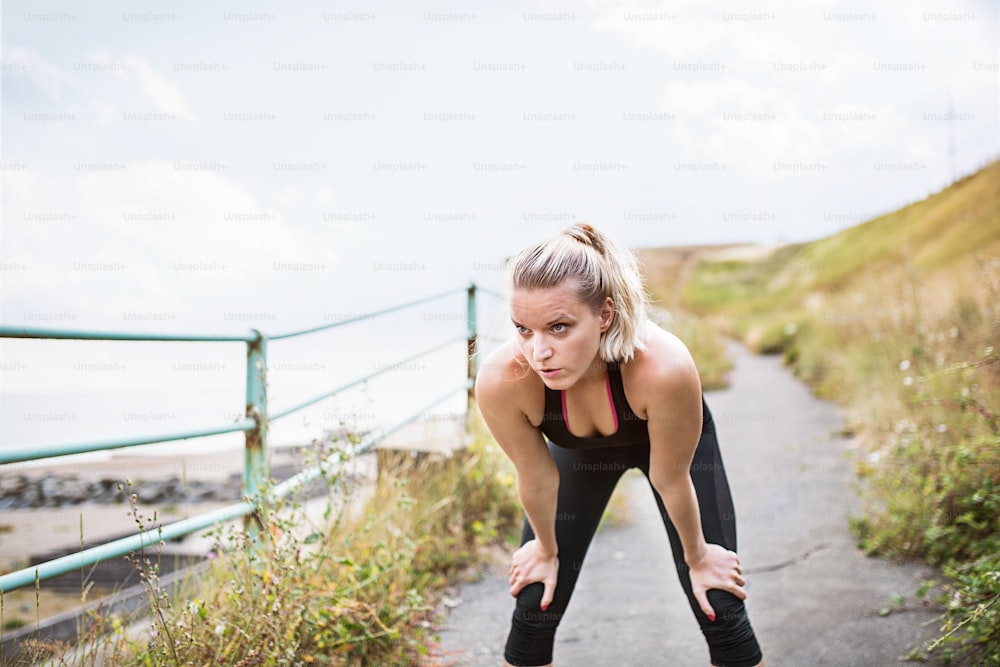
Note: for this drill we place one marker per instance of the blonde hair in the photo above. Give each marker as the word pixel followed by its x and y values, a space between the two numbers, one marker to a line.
pixel 600 269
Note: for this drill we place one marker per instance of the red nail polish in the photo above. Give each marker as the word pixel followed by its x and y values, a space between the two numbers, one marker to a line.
pixel 544 607
pixel 711 617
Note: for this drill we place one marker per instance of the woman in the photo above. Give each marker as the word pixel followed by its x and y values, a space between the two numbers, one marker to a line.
pixel 609 390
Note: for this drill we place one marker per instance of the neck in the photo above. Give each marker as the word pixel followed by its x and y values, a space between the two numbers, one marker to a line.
pixel 596 373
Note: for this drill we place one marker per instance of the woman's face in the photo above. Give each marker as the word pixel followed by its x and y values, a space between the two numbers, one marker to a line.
pixel 558 334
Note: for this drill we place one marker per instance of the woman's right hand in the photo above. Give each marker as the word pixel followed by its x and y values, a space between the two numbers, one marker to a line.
pixel 531 564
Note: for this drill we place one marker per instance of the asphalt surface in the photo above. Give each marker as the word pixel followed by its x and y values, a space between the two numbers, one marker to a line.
pixel 813 598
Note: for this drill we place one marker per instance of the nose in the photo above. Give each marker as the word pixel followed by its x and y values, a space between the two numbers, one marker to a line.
pixel 541 350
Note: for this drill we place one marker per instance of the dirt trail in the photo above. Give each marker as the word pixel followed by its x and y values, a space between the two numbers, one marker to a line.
pixel 814 599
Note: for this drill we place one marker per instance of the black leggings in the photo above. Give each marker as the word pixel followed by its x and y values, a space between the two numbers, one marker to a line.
pixel 586 481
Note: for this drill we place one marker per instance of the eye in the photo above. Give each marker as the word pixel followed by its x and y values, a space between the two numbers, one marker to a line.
pixel 560 328
pixel 521 330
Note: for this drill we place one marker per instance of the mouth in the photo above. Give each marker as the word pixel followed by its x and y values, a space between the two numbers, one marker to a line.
pixel 549 372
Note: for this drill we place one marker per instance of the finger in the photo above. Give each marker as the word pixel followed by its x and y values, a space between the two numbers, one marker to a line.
pixel 702 599
pixel 548 594
pixel 738 591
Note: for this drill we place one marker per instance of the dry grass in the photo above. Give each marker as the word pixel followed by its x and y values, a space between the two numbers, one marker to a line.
pixel 329 588
pixel 898 320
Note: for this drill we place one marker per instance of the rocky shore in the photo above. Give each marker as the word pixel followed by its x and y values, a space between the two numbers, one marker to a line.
pixel 190 478
pixel 51 489
pixel 54 490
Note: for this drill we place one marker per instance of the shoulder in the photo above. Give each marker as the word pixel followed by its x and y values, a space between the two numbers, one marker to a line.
pixel 662 375
pixel 505 382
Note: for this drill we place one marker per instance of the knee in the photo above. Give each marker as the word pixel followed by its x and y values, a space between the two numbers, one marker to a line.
pixel 528 611
pixel 730 636
pixel 533 631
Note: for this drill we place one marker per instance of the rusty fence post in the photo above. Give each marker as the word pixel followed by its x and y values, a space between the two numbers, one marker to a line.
pixel 255 455
pixel 473 366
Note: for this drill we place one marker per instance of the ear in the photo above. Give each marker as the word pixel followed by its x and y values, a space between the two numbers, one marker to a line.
pixel 607 314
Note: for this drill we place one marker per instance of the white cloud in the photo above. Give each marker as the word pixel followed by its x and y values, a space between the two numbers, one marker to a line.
pixel 810 65
pixel 165 96
pixel 212 218
pixel 50 78
pixel 69 87
pixel 179 238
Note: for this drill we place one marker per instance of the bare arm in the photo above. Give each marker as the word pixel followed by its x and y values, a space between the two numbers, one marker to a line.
pixel 537 475
pixel 675 416
pixel 500 392
pixel 674 430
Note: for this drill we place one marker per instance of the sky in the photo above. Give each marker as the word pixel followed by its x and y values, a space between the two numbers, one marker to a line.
pixel 214 167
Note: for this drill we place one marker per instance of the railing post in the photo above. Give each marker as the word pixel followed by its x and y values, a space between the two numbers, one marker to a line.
pixel 255 455
pixel 473 368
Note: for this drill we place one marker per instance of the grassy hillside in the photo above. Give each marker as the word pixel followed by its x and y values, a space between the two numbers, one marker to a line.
pixel 897 319
pixel 937 240
pixel 665 271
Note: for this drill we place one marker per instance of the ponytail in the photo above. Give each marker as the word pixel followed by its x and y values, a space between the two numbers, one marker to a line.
pixel 599 269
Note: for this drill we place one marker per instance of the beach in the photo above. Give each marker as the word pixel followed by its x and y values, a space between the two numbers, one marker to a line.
pixel 43 530
pixel 29 532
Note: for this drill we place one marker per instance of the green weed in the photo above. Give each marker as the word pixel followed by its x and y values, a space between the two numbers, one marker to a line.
pixel 898 320
pixel 350 579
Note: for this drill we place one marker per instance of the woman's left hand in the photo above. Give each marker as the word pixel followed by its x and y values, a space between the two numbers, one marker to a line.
pixel 717 568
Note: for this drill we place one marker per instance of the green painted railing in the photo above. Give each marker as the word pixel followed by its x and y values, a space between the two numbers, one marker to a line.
pixel 254 426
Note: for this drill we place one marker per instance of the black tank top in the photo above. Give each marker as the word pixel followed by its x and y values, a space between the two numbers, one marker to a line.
pixel 631 430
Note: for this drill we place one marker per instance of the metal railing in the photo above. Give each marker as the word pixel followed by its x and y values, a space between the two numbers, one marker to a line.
pixel 254 425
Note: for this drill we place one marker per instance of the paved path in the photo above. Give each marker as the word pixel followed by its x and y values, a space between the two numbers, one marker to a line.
pixel 813 598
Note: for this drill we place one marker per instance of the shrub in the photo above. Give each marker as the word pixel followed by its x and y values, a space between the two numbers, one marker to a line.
pixel 347 580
